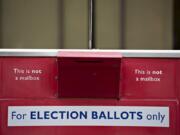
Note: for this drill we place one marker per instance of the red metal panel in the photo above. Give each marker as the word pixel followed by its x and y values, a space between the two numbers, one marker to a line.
pixel 172 130
pixel 0 75
pixel 177 85
pixel 89 77
pixel 29 77
pixel 137 81
pixel 148 78
pixel 89 130
pixel 1 122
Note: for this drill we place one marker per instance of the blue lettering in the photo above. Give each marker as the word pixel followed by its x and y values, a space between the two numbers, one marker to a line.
pixel 109 115
pixel 94 115
pixel 115 116
pixel 46 115
pixel 67 114
pixel 74 115
pixel 102 115
pixel 39 116
pixel 124 115
pixel 53 115
pixel 132 115
pixel 13 115
pixel 33 115
pixel 140 117
pixel 83 115
pixel 62 114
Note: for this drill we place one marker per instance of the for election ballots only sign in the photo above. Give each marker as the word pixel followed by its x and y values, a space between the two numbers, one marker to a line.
pixel 88 116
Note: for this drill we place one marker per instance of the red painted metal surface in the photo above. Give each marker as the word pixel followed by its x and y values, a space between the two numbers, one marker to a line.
pixel 148 78
pixel 89 130
pixel 29 78
pixel 106 79
pixel 177 88
pixel 1 75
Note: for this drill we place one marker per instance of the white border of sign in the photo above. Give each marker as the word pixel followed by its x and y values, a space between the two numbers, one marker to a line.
pixel 138 116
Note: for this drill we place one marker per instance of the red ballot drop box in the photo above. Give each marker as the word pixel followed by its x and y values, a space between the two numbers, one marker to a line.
pixel 77 92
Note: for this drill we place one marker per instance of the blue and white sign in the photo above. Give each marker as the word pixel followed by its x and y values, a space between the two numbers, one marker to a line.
pixel 142 116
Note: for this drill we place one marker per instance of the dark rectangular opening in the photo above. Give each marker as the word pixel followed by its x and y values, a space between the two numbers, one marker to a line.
pixel 89 77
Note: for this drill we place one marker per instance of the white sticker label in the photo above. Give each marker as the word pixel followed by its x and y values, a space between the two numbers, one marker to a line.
pixel 88 116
